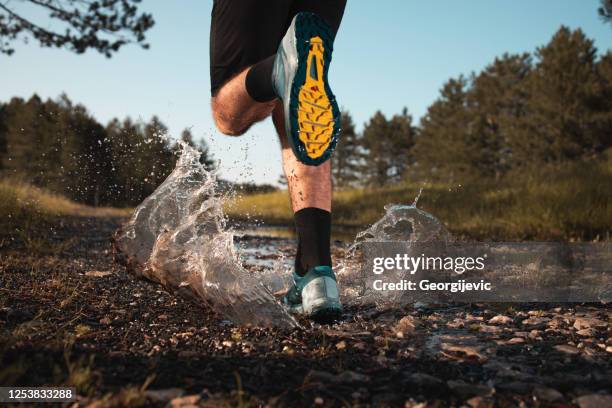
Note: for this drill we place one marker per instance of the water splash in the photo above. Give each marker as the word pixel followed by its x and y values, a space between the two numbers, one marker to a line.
pixel 400 223
pixel 179 238
pixel 405 223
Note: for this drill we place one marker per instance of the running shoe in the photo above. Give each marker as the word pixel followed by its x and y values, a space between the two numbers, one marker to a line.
pixel 312 117
pixel 315 295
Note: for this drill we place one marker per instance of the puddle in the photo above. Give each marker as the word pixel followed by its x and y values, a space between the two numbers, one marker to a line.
pixel 179 238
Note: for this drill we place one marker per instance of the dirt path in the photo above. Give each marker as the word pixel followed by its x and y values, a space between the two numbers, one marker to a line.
pixel 69 315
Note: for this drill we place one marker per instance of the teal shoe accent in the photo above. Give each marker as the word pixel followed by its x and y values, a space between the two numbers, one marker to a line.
pixel 315 295
pixel 289 77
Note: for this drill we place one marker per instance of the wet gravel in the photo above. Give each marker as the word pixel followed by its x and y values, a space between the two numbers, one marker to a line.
pixel 70 315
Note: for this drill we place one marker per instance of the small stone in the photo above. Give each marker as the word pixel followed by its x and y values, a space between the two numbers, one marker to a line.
pixel 535 321
pixel 407 325
pixel 588 332
pixel 97 274
pixel 548 394
pixel 345 377
pixel 594 401
pixel 500 319
pixel 516 340
pixel 566 348
pixel 609 349
pixel 479 402
pixel 349 376
pixel 463 352
pixel 466 390
pixel 483 328
pixel 187 401
pixel 515 387
pixel 162 317
pixel 423 380
pixel 413 404
pixel 105 321
pixel 167 394
pixel 318 401
pixel 341 345
pixel 535 335
pixel 588 322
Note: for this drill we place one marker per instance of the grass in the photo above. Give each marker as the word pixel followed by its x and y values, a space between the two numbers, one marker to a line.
pixel 19 197
pixel 24 207
pixel 570 202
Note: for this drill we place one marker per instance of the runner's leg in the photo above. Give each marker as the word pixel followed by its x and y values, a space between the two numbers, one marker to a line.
pixel 310 190
pixel 310 187
pixel 244 34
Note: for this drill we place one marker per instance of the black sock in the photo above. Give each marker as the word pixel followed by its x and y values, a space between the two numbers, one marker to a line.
pixel 313 228
pixel 259 80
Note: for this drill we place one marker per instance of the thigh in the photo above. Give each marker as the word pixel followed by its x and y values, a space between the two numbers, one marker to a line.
pixel 242 33
pixel 330 10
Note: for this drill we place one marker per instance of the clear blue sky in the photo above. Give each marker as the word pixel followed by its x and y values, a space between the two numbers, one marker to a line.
pixel 388 54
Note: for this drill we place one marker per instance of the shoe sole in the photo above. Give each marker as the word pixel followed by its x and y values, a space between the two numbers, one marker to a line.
pixel 326 314
pixel 314 113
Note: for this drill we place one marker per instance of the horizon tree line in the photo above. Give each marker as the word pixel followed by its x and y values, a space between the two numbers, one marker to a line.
pixel 521 112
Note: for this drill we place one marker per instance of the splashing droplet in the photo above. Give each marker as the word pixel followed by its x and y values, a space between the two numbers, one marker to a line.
pixel 179 238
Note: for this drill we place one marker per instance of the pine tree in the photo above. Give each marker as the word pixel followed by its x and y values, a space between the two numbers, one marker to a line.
pixel 388 144
pixel 562 121
pixel 443 148
pixel 496 99
pixel 347 160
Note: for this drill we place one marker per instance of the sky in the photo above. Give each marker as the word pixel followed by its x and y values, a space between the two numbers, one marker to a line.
pixel 388 55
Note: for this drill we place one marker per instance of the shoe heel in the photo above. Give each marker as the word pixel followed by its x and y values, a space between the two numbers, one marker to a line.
pixel 320 299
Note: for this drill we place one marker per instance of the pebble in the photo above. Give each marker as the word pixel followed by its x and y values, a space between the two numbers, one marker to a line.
pixel 548 394
pixel 167 394
pixel 424 381
pixel 184 402
pixel 588 322
pixel 406 325
pixel 97 274
pixel 588 332
pixel 536 321
pixel 500 319
pixel 565 348
pixel 483 328
pixel 594 401
pixel 479 402
pixel 466 390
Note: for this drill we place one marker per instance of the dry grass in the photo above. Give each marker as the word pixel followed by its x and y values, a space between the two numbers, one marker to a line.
pixel 25 211
pixel 569 202
pixel 18 197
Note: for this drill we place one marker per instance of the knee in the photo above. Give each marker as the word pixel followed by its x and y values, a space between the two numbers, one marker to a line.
pixel 230 127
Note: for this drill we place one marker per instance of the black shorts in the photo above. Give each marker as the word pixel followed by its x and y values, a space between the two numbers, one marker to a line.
pixel 244 32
